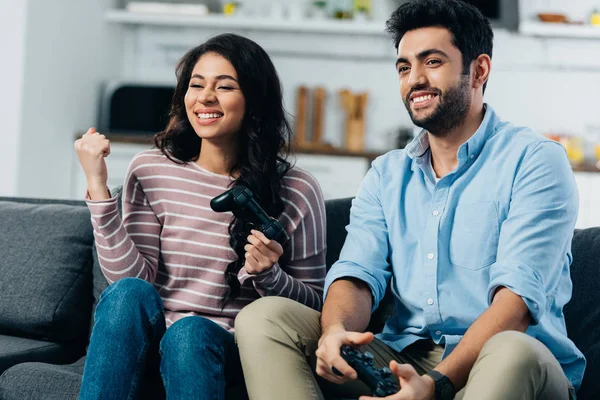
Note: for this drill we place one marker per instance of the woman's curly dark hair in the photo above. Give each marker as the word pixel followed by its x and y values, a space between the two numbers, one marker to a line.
pixel 264 136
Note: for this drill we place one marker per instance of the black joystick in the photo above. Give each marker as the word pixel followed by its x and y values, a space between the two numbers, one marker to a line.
pixel 240 201
pixel 381 381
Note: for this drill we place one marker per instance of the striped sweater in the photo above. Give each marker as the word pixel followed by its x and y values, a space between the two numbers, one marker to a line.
pixel 169 236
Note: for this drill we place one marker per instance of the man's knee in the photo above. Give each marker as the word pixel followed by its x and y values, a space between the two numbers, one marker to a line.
pixel 257 316
pixel 270 316
pixel 512 350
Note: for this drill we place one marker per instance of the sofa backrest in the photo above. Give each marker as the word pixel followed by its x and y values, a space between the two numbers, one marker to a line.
pixel 338 217
pixel 582 313
pixel 45 269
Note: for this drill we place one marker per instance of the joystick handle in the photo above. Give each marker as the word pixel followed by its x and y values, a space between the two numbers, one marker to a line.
pixel 381 381
pixel 240 200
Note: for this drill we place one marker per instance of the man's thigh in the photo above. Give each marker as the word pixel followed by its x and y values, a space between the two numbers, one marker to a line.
pixel 515 365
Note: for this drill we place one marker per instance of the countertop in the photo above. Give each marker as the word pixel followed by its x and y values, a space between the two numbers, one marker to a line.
pixel 326 150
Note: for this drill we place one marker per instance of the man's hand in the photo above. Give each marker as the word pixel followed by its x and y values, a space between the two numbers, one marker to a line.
pixel 261 253
pixel 412 385
pixel 328 353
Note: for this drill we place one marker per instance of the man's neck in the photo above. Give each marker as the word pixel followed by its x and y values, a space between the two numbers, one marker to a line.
pixel 444 149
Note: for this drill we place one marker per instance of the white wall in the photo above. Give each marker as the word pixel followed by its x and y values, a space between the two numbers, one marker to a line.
pixel 69 51
pixel 545 83
pixel 548 84
pixel 12 26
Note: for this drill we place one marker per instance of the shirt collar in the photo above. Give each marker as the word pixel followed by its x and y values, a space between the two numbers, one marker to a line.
pixel 470 149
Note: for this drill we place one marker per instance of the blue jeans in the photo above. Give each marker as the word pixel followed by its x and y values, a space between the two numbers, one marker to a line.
pixel 130 344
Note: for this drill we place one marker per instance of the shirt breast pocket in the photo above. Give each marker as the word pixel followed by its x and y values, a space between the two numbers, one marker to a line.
pixel 474 235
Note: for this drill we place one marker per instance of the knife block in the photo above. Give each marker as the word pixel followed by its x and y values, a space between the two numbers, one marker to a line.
pixel 354 106
pixel 355 135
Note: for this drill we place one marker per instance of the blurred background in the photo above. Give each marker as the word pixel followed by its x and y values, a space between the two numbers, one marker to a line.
pixel 68 65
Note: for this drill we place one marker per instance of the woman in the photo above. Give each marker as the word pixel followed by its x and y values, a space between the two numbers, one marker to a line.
pixel 179 272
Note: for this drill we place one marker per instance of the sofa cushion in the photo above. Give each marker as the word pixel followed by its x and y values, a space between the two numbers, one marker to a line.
pixel 35 380
pixel 582 313
pixel 45 270
pixel 15 350
pixel 39 381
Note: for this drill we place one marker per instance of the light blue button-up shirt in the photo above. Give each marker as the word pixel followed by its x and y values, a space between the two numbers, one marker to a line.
pixel 504 217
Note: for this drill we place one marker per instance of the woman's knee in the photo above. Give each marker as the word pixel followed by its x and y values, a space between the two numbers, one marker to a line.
pixel 129 295
pixel 192 334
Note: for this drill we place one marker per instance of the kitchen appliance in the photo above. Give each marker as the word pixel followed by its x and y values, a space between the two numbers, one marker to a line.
pixel 134 108
pixel 501 13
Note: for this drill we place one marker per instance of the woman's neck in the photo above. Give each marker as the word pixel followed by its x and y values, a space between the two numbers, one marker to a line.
pixel 217 158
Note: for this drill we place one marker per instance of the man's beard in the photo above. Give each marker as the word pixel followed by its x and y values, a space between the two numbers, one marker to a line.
pixel 451 111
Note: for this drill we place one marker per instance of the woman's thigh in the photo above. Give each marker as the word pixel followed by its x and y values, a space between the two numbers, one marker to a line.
pixel 201 348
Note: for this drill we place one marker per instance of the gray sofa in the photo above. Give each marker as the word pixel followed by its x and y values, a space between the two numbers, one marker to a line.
pixel 50 282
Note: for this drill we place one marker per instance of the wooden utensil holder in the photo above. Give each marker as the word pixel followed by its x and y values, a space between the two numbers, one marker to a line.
pixel 355 138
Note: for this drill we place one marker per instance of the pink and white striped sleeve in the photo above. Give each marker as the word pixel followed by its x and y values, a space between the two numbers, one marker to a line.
pixel 128 246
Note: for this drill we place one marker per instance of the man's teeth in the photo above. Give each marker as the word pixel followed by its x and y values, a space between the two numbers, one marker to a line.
pixel 208 115
pixel 422 98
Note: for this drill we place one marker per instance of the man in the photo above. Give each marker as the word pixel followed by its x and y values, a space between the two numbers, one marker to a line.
pixel 471 225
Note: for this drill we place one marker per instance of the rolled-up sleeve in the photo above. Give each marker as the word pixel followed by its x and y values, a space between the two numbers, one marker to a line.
pixel 364 255
pixel 535 238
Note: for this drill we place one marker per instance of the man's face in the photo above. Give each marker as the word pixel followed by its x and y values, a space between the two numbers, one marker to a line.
pixel 435 92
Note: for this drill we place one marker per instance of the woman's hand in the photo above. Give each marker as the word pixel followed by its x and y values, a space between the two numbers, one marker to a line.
pixel 261 253
pixel 91 150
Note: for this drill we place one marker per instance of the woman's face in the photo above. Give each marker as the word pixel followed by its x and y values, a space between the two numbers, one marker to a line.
pixel 214 102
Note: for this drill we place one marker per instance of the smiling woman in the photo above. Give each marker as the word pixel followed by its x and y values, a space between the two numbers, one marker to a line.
pixel 189 270
pixel 214 98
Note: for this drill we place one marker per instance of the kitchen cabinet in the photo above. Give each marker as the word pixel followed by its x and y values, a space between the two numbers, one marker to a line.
pixel 589 199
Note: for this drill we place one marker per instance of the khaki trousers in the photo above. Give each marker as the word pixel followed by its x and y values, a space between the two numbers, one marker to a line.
pixel 277 339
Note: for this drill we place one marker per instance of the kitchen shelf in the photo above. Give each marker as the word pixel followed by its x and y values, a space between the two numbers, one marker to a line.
pixel 148 139
pixel 559 30
pixel 373 28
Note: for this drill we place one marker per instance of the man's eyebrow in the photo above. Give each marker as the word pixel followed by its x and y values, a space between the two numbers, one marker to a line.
pixel 422 55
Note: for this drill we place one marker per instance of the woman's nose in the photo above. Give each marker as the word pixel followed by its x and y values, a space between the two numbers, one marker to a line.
pixel 207 96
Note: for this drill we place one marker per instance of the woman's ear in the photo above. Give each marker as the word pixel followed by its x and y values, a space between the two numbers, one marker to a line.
pixel 483 66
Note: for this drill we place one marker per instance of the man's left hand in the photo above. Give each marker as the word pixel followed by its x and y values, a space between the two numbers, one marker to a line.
pixel 412 385
pixel 261 253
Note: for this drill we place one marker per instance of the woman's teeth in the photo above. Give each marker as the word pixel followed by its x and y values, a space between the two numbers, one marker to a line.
pixel 209 115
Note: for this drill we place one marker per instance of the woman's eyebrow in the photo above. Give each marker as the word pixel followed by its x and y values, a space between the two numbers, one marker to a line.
pixel 219 77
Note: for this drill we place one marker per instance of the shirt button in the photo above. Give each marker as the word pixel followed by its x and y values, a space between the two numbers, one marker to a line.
pixel 430 256
pixel 436 213
pixel 472 156
pixel 430 301
pixel 438 333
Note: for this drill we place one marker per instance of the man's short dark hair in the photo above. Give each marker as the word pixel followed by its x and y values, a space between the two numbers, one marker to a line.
pixel 471 31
